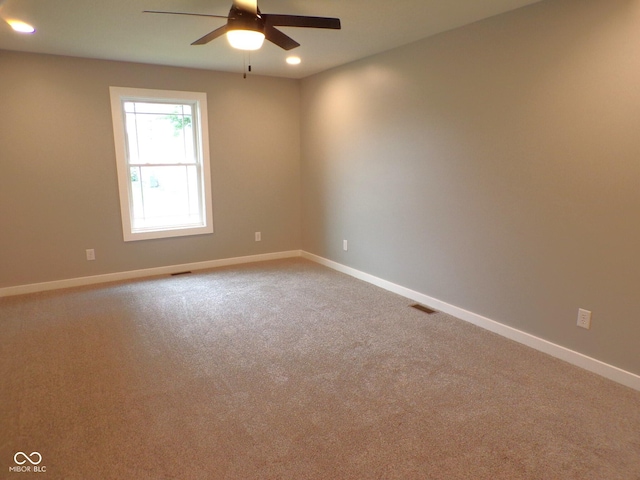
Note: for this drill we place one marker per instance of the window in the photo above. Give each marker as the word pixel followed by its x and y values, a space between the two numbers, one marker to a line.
pixel 162 155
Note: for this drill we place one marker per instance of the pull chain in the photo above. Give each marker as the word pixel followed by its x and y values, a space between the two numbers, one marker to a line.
pixel 246 68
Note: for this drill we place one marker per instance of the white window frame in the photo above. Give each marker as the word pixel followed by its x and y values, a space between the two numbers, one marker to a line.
pixel 198 100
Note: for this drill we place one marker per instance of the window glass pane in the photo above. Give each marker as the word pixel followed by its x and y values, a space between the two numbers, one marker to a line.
pixel 189 141
pixel 136 193
pixel 165 198
pixel 166 108
pixel 132 138
pixel 194 190
pixel 154 138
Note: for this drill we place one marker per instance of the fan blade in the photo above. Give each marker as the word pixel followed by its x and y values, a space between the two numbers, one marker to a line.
pixel 301 21
pixel 250 6
pixel 280 39
pixel 218 32
pixel 181 13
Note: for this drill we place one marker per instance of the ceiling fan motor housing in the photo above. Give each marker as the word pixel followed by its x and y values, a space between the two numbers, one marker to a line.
pixel 243 20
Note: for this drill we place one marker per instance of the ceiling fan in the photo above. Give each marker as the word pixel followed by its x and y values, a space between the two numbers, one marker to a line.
pixel 247 27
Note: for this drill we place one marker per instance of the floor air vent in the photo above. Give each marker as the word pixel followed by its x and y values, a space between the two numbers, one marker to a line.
pixel 422 308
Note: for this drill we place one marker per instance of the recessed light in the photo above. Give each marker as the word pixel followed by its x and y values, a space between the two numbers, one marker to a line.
pixel 20 26
pixel 293 60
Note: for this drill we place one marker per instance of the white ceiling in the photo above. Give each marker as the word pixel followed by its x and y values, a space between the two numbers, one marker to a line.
pixel 118 30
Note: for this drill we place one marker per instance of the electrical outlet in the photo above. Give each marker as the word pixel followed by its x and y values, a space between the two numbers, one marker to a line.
pixel 584 318
pixel 345 245
pixel 91 254
pixel 258 236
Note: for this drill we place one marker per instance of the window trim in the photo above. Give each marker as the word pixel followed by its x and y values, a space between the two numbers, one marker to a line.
pixel 118 96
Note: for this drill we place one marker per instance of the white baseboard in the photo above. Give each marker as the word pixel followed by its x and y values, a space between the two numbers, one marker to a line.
pixel 147 272
pixel 588 363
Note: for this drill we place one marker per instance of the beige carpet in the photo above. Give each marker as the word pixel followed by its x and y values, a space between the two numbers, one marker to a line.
pixel 289 370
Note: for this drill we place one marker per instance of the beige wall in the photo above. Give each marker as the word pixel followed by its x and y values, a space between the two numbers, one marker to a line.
pixel 495 167
pixel 58 187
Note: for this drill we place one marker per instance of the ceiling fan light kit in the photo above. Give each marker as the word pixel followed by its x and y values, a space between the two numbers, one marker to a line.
pixel 245 39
